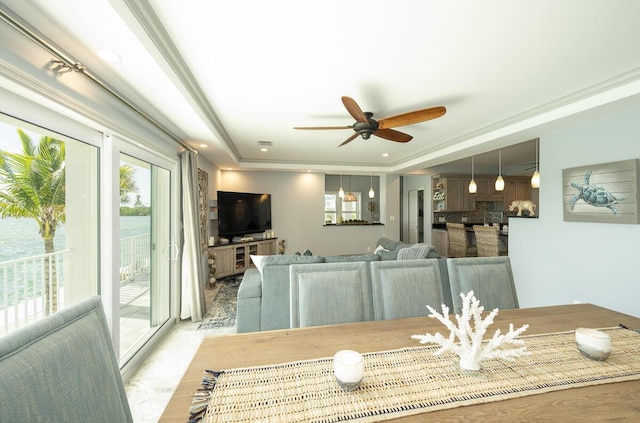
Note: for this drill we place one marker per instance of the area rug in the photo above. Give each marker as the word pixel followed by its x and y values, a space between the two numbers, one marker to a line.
pixel 222 312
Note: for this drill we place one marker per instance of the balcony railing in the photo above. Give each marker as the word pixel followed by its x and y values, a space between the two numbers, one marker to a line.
pixel 27 285
pixel 135 253
pixel 24 285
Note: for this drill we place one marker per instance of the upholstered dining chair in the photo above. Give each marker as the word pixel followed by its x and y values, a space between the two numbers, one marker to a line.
pixel 404 288
pixel 490 278
pixel 62 368
pixel 488 241
pixel 458 241
pixel 338 294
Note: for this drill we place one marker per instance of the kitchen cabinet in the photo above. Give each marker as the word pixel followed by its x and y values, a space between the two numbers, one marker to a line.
pixel 516 188
pixel 486 189
pixel 451 193
pixel 440 240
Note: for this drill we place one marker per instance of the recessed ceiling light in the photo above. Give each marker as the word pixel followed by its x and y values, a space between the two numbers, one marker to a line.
pixel 385 154
pixel 203 145
pixel 109 56
pixel 264 149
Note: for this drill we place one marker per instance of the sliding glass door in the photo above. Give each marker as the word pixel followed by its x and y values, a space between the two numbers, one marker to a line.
pixel 145 251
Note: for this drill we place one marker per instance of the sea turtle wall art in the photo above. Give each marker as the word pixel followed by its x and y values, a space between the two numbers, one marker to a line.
pixel 606 193
pixel 594 195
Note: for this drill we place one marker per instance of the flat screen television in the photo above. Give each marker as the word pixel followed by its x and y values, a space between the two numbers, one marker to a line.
pixel 243 213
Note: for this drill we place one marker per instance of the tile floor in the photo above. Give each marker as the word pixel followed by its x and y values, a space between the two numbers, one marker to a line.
pixel 151 387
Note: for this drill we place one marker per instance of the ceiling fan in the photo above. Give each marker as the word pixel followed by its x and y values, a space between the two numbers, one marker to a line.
pixel 365 125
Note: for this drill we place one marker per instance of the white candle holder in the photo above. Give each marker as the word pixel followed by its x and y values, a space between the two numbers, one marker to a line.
pixel 348 367
pixel 593 343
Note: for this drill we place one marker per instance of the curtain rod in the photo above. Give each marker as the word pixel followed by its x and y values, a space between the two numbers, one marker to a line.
pixel 67 64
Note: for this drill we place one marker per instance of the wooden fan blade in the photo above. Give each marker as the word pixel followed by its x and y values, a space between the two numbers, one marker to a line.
pixel 412 117
pixel 393 135
pixel 322 127
pixel 353 109
pixel 348 140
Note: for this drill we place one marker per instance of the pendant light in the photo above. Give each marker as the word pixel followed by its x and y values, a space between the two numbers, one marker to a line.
pixel 371 191
pixel 473 188
pixel 499 181
pixel 535 178
pixel 349 197
pixel 340 191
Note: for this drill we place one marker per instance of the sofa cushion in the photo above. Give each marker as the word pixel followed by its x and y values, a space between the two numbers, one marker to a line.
pixel 277 260
pixel 391 245
pixel 360 257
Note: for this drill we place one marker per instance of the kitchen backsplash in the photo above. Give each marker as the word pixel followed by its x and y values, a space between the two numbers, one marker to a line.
pixel 485 212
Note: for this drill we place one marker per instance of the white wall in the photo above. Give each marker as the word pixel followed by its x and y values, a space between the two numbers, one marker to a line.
pixel 297 202
pixel 558 262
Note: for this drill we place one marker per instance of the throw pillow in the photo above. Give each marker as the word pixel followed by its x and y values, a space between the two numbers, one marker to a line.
pixel 379 248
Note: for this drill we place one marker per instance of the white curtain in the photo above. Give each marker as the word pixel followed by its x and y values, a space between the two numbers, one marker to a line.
pixel 192 294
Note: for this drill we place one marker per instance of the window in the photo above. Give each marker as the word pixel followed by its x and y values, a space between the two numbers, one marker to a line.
pixel 49 201
pixel 338 211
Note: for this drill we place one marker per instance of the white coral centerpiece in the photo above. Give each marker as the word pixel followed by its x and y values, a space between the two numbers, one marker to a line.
pixel 470 347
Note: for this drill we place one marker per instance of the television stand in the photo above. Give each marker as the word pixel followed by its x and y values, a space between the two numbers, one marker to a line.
pixel 233 259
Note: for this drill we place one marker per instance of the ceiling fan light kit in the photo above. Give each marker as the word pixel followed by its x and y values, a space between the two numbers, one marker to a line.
pixel 365 125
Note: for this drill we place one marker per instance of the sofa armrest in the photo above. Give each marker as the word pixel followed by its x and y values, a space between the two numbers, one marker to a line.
pixel 249 301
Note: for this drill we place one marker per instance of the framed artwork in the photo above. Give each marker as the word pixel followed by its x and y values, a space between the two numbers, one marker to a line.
pixel 203 207
pixel 604 193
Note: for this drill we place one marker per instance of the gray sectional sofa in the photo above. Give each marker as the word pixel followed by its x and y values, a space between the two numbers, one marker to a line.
pixel 263 296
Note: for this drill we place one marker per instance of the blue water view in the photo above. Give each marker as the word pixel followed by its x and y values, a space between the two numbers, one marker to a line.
pixel 19 238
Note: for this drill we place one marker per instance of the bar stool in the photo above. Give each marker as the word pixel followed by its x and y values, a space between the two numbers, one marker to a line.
pixel 458 241
pixel 488 241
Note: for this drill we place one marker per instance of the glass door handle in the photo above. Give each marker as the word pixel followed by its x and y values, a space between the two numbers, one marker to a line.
pixel 171 251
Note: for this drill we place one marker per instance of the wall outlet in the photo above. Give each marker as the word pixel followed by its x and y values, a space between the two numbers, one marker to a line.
pixel 368 249
pixel 463 219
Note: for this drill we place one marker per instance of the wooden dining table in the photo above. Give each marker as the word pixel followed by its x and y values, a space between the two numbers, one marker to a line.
pixel 619 401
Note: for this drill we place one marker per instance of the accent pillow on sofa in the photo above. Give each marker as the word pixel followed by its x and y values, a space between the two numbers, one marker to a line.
pixel 262 261
pixel 388 255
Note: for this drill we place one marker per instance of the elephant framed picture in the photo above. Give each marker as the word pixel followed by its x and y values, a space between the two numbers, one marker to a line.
pixel 604 193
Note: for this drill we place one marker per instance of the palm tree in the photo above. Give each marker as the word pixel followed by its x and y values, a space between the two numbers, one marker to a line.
pixel 128 183
pixel 33 186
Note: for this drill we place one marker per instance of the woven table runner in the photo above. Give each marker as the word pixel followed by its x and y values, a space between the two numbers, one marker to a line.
pixel 411 381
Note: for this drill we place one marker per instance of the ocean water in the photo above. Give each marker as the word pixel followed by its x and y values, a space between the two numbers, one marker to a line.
pixel 19 237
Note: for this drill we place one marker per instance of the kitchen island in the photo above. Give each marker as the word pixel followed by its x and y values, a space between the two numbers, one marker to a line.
pixel 440 237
